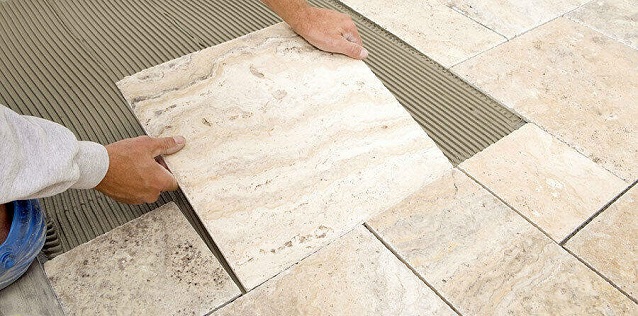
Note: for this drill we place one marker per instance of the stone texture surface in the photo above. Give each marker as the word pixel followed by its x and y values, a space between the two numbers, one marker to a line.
pixel 487 260
pixel 610 242
pixel 153 265
pixel 513 17
pixel 431 27
pixel 544 179
pixel 355 275
pixel 615 18
pixel 576 83
pixel 287 147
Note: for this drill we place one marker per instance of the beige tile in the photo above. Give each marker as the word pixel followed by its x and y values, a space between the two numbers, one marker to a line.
pixel 355 275
pixel 615 18
pixel 513 17
pixel 153 265
pixel 487 260
pixel 574 82
pixel 287 147
pixel 610 242
pixel 551 184
pixel 429 26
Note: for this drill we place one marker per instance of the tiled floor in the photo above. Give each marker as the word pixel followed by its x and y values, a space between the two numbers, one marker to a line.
pixel 542 222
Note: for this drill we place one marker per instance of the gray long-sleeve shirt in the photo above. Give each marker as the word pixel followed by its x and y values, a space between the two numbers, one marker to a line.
pixel 40 158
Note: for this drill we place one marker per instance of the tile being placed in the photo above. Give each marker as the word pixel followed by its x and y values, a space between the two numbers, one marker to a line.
pixel 487 260
pixel 574 82
pixel 513 17
pixel 153 265
pixel 429 26
pixel 355 275
pixel 615 18
pixel 287 147
pixel 548 182
pixel 610 242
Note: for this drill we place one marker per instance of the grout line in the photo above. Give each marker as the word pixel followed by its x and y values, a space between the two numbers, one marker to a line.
pixel 609 36
pixel 405 262
pixel 591 218
pixel 601 275
pixel 224 305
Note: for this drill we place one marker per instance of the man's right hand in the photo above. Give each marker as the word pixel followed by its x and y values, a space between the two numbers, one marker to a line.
pixel 134 176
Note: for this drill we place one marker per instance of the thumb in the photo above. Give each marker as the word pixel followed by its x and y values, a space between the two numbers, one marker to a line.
pixel 167 145
pixel 352 50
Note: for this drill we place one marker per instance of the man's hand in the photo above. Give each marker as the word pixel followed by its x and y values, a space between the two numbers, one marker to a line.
pixel 134 176
pixel 326 29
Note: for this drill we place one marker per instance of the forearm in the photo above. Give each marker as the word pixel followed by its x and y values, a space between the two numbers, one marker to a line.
pixel 289 10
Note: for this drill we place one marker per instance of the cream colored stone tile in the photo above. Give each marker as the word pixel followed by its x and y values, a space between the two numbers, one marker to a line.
pixel 615 18
pixel 610 242
pixel 429 26
pixel 355 275
pixel 153 265
pixel 574 82
pixel 487 260
pixel 287 147
pixel 547 181
pixel 513 17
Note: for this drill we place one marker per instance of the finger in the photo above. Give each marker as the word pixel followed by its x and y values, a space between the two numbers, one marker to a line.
pixel 160 160
pixel 352 35
pixel 167 145
pixel 351 49
pixel 167 181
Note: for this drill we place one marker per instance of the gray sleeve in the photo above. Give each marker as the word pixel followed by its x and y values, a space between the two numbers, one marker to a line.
pixel 41 158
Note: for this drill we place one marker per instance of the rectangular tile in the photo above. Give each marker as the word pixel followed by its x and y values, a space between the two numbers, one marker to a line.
pixel 355 275
pixel 513 17
pixel 551 184
pixel 610 242
pixel 429 26
pixel 572 81
pixel 615 18
pixel 487 260
pixel 153 265
pixel 287 147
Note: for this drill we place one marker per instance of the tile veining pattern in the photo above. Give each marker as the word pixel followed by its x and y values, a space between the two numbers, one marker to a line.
pixel 615 18
pixel 487 260
pixel 544 179
pixel 153 265
pixel 287 147
pixel 355 275
pixel 610 242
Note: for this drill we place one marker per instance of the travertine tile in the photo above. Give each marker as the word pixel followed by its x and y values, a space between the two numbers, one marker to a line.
pixel 547 181
pixel 576 83
pixel 513 17
pixel 615 18
pixel 487 260
pixel 431 27
pixel 610 242
pixel 287 147
pixel 356 275
pixel 153 265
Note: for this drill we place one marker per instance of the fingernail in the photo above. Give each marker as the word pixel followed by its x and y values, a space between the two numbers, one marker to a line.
pixel 179 140
pixel 364 53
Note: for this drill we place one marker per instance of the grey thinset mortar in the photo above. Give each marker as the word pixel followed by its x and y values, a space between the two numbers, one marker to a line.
pixel 60 59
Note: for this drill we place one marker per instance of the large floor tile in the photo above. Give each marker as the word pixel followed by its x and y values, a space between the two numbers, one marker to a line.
pixel 574 82
pixel 551 184
pixel 610 242
pixel 429 26
pixel 487 260
pixel 287 147
pixel 615 18
pixel 153 265
pixel 513 17
pixel 355 275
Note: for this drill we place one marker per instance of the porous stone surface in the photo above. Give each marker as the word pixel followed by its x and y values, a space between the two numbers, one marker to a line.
pixel 615 18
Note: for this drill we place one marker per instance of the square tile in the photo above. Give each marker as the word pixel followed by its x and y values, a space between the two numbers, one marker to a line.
pixel 513 17
pixel 610 242
pixel 153 265
pixel 574 82
pixel 287 147
pixel 487 260
pixel 615 18
pixel 355 275
pixel 548 182
pixel 439 32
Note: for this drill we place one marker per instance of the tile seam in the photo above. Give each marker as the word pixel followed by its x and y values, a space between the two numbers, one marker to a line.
pixel 609 36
